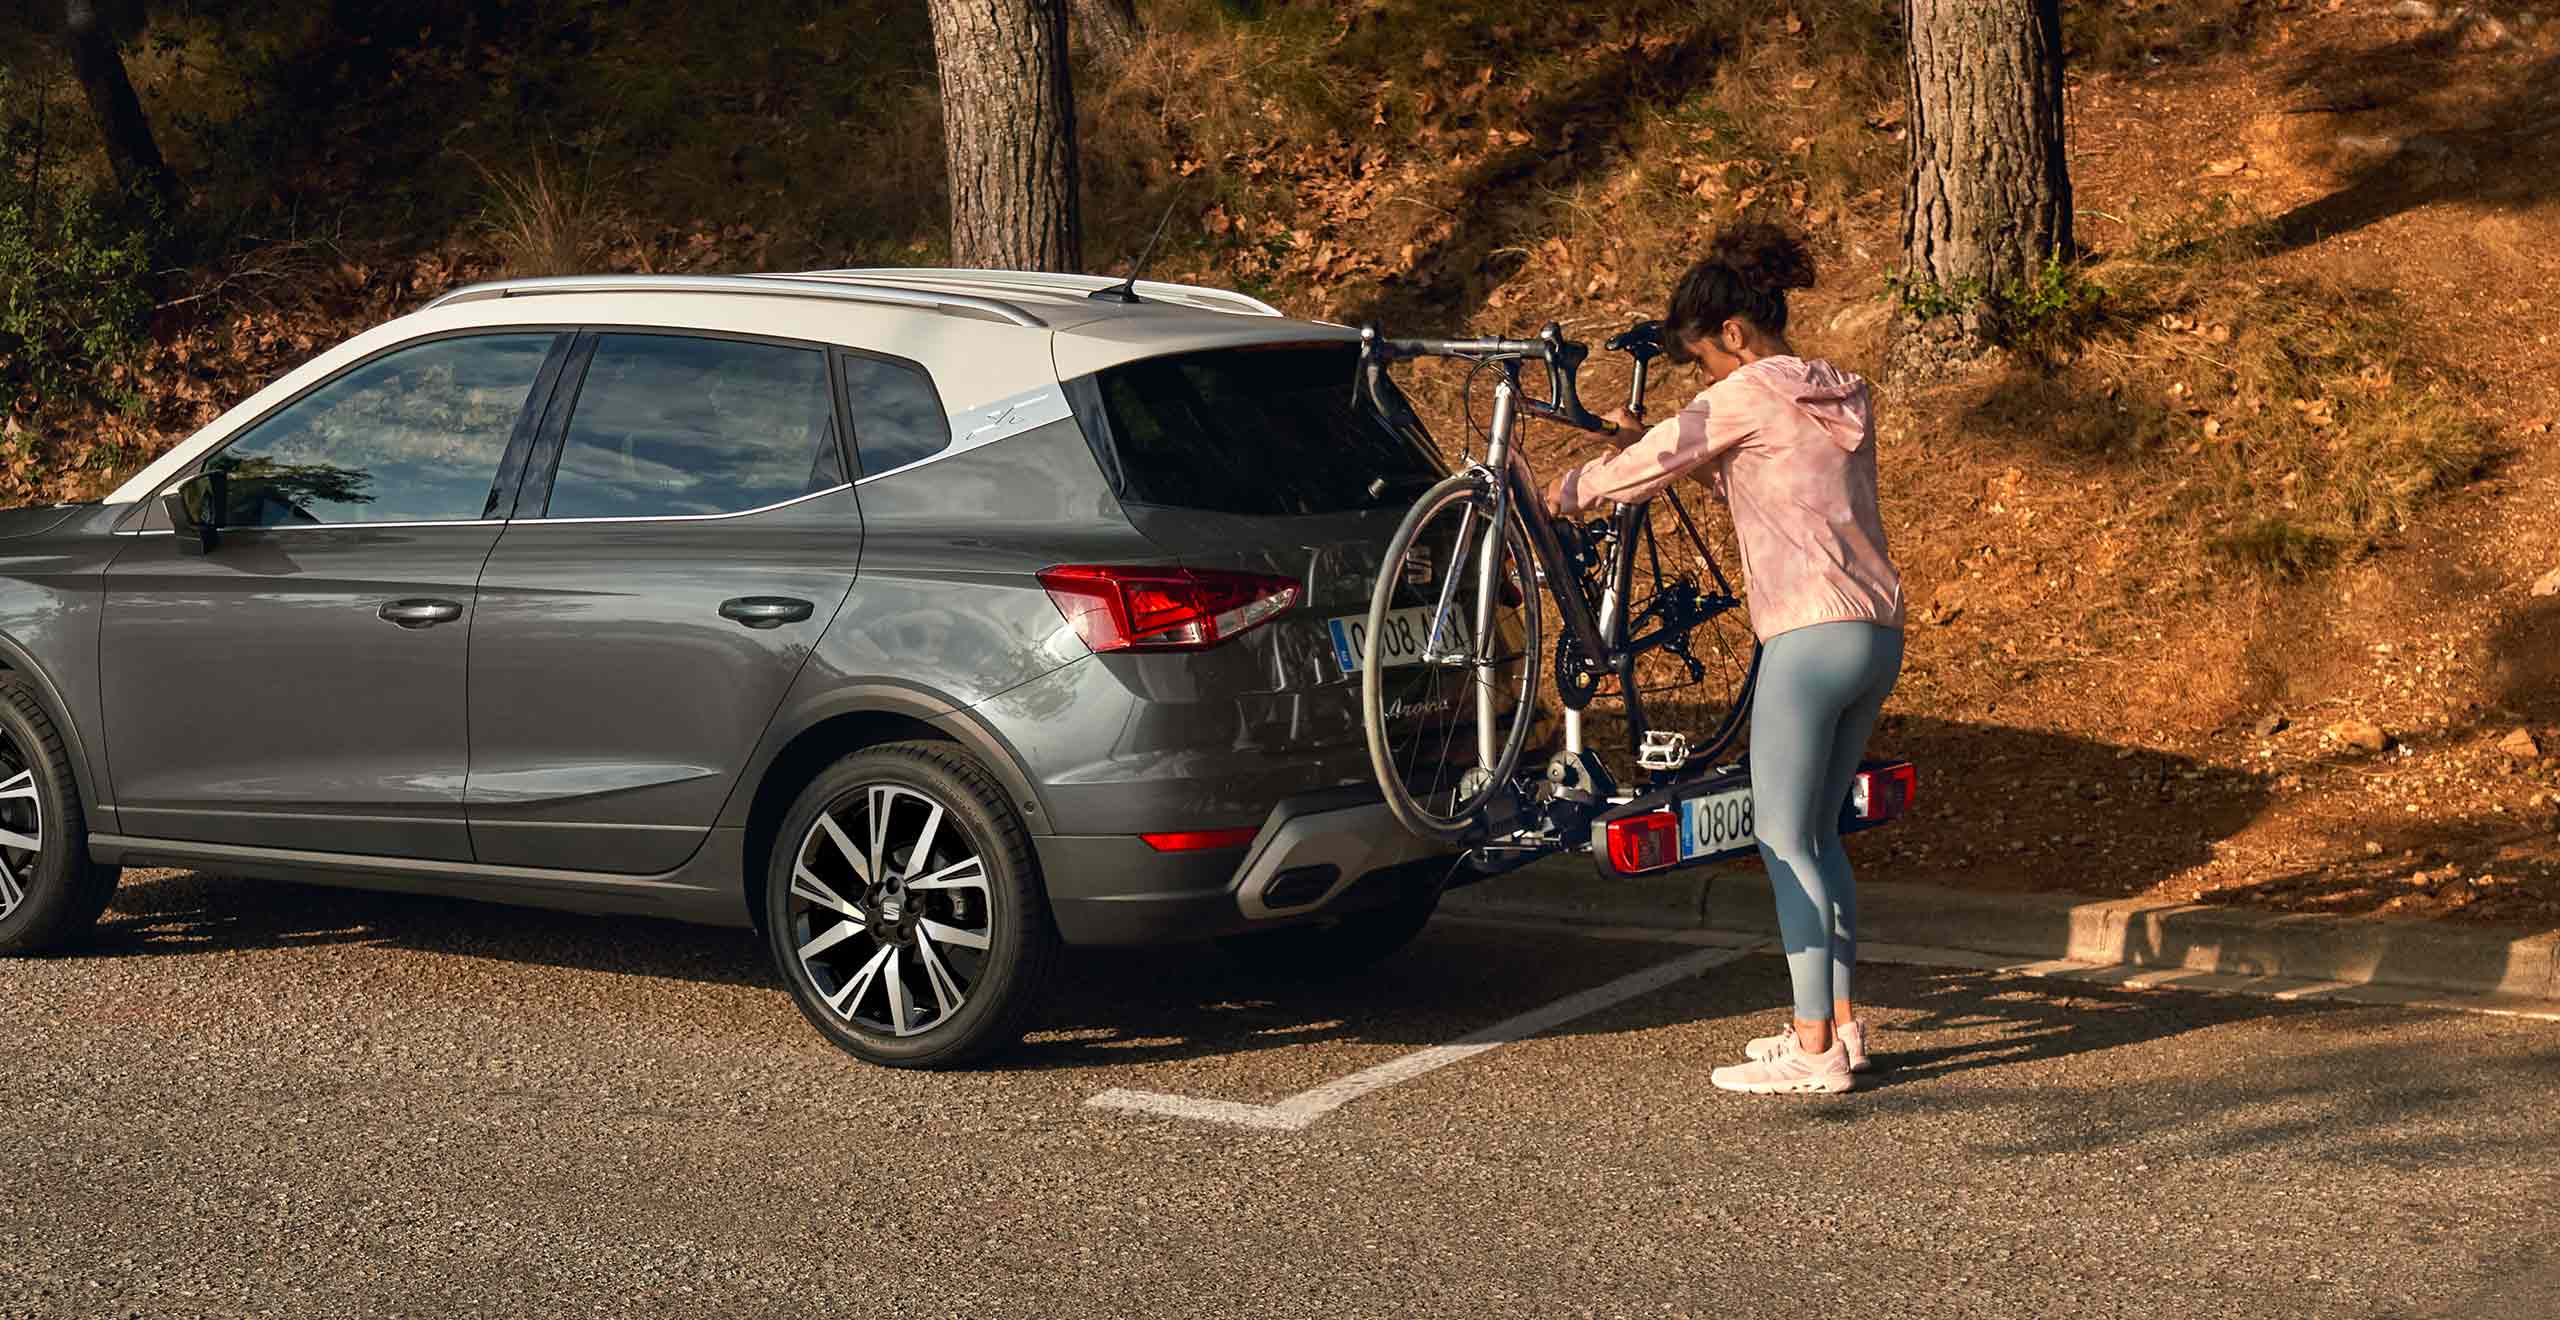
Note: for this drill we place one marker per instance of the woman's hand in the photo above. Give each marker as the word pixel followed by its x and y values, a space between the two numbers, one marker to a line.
pixel 1630 427
pixel 1555 494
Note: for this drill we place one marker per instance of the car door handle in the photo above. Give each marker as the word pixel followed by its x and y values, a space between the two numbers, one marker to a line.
pixel 766 611
pixel 415 614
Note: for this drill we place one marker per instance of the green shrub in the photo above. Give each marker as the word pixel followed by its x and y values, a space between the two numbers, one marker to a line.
pixel 75 293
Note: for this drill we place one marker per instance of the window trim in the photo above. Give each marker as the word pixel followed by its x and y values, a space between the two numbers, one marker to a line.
pixel 537 397
pixel 533 498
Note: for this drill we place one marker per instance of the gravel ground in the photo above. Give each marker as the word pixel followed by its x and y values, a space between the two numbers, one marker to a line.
pixel 270 1100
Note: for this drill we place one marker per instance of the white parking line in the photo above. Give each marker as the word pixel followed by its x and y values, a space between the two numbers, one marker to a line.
pixel 1300 1110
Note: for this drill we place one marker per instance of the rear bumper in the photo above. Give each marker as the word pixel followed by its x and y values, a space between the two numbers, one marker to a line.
pixel 1318 854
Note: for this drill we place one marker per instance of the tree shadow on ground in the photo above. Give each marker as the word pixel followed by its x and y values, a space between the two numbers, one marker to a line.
pixel 2431 861
pixel 2444 142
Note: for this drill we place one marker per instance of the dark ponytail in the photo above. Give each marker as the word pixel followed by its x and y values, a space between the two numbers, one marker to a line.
pixel 1747 272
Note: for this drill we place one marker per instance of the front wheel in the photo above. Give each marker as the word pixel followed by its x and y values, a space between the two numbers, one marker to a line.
pixel 1448 704
pixel 50 892
pixel 905 910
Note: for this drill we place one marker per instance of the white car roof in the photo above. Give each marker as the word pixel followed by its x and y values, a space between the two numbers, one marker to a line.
pixel 993 339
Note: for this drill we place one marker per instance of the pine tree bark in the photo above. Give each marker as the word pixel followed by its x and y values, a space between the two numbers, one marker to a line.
pixel 1009 133
pixel 1989 200
pixel 132 152
pixel 1110 27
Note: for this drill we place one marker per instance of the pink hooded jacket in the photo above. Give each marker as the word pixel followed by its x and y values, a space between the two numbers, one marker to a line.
pixel 1790 446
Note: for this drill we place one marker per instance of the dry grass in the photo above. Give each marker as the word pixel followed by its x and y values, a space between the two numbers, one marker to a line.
pixel 2273 422
pixel 546 219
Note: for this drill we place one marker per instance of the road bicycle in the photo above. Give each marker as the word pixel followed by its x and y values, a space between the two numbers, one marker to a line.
pixel 1454 643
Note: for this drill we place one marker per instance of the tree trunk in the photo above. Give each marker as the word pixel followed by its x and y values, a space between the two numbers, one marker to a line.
pixel 1009 133
pixel 131 151
pixel 1989 200
pixel 1110 29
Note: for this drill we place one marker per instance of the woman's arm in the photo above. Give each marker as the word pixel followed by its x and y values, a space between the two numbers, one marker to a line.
pixel 1673 448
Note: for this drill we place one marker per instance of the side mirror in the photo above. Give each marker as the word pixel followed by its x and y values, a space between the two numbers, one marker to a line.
pixel 196 506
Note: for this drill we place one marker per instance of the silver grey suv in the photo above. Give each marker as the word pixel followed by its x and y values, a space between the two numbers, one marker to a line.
pixel 925 620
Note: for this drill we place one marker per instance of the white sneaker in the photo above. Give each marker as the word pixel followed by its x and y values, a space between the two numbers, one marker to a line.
pixel 1854 1036
pixel 1792 1072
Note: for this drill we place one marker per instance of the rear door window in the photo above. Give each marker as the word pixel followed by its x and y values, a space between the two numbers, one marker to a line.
pixel 1263 431
pixel 680 426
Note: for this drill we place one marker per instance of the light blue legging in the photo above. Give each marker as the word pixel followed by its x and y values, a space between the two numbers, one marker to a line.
pixel 1820 689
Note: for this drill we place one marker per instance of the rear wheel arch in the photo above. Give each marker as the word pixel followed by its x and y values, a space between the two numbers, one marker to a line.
pixel 830 737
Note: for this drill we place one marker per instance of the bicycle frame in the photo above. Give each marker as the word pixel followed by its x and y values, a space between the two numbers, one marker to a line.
pixel 1598 634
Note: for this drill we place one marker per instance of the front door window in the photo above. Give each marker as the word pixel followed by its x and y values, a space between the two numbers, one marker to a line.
pixel 416 435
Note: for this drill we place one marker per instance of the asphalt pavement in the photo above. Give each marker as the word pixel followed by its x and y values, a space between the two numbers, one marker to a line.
pixel 254 1099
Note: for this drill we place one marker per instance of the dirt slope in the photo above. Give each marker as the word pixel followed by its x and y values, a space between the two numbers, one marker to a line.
pixel 2095 691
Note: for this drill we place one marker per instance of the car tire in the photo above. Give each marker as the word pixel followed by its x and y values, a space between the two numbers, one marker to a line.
pixel 1347 944
pixel 904 908
pixel 51 894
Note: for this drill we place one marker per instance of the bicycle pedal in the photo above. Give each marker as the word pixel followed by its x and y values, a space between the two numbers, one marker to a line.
pixel 1663 750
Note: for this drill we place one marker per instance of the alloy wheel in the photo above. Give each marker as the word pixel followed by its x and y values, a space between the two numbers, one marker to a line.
pixel 21 827
pixel 889 910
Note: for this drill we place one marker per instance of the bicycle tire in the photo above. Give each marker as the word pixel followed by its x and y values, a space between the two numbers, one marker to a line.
pixel 1466 810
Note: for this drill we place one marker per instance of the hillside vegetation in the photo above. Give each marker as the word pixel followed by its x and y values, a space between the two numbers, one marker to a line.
pixel 2222 574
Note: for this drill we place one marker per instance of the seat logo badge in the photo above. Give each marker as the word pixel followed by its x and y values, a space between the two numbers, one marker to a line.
pixel 1417 566
pixel 892 907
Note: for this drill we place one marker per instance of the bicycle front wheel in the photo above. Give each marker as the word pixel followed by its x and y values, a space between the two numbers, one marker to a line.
pixel 1449 663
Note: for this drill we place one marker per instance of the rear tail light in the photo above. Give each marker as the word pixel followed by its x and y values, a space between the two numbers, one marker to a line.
pixel 1164 609
pixel 1885 792
pixel 1648 842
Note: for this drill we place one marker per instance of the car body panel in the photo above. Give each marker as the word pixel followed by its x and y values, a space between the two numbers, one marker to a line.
pixel 612 706
pixel 51 559
pixel 255 695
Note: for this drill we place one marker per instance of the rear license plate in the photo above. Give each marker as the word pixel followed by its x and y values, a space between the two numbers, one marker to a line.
pixel 1717 823
pixel 1400 643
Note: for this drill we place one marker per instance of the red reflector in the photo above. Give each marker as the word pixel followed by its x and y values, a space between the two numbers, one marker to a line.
pixel 1644 843
pixel 1201 840
pixel 1164 608
pixel 1886 793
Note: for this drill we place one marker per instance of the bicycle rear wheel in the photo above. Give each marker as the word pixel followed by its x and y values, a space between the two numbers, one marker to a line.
pixel 1447 704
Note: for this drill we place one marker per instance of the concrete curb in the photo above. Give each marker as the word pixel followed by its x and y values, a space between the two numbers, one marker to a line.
pixel 2126 932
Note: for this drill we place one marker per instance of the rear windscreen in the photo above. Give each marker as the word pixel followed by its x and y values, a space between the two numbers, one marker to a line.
pixel 1268 431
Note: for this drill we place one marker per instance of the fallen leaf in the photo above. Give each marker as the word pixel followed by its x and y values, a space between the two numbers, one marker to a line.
pixel 1804 82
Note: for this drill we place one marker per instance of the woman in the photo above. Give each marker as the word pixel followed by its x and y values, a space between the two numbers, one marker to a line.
pixel 1790 446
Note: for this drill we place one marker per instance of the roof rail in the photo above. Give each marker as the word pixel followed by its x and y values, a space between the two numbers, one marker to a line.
pixel 840 290
pixel 1190 295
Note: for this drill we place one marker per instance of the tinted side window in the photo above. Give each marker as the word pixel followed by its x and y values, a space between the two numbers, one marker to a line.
pixel 897 417
pixel 669 425
pixel 413 436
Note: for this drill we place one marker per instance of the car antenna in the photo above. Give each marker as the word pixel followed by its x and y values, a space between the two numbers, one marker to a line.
pixel 1126 291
